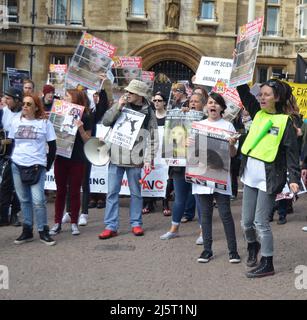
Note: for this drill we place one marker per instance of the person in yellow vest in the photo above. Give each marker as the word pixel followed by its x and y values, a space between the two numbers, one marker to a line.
pixel 269 151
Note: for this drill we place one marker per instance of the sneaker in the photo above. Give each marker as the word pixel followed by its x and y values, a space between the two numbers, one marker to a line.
pixel 83 219
pixel 200 240
pixel 26 236
pixel 107 234
pixel 66 218
pixel 55 229
pixel 304 229
pixel 234 257
pixel 45 237
pixel 205 257
pixel 74 229
pixel 282 220
pixel 185 219
pixel 169 235
pixel 137 231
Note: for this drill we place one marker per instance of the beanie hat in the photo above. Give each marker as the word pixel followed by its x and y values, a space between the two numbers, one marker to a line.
pixel 48 88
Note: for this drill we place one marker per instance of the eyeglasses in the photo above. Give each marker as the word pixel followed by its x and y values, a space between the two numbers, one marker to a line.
pixel 157 100
pixel 28 104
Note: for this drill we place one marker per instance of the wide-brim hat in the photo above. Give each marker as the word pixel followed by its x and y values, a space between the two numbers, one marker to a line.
pixel 138 87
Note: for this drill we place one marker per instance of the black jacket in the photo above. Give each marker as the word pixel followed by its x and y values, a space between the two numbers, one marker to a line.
pixel 287 158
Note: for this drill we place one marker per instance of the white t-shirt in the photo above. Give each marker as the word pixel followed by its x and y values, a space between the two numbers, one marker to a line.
pixel 254 174
pixel 8 117
pixel 31 137
pixel 198 189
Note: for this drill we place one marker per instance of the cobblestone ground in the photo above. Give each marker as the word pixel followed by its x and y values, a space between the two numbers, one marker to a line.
pixel 129 267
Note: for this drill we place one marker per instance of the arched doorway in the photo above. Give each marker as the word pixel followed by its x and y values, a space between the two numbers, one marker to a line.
pixel 177 60
pixel 174 70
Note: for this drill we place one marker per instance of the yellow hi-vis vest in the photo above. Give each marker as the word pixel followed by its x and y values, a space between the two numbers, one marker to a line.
pixel 264 136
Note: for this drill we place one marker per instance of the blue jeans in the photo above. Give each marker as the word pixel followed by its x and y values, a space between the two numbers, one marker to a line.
pixel 115 175
pixel 32 199
pixel 183 190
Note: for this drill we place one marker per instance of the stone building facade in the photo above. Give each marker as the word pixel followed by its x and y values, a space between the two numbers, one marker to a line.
pixel 40 32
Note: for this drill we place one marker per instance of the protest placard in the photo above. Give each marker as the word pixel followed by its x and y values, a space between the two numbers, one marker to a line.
pixel 209 159
pixel 126 128
pixel 124 70
pixel 211 70
pixel 299 90
pixel 92 57
pixel 149 78
pixel 154 185
pixel 16 77
pixel 176 130
pixel 247 47
pixel 232 100
pixel 63 115
pixel 57 73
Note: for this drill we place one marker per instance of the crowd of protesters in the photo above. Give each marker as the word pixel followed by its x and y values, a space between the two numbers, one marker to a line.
pixel 28 151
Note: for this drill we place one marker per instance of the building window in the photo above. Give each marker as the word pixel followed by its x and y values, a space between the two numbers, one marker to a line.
pixel 263 73
pixel 272 18
pixel 67 12
pixel 137 8
pixel 303 18
pixel 7 60
pixel 58 58
pixel 207 10
pixel 12 10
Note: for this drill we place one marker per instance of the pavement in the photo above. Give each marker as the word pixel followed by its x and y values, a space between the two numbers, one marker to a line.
pixel 144 268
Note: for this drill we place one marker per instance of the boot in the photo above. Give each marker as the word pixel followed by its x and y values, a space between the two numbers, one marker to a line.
pixel 265 268
pixel 45 237
pixel 26 236
pixel 4 217
pixel 253 249
pixel 14 220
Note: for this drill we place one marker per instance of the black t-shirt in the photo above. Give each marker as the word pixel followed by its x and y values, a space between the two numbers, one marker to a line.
pixel 161 121
pixel 77 151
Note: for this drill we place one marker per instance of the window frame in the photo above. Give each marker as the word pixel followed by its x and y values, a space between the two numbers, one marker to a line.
pixel 277 32
pixel 3 67
pixel 67 18
pixel 214 15
pixel 302 11
pixel 12 18
pixel 133 15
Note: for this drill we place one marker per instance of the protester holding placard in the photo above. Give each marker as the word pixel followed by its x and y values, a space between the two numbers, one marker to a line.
pixel 70 171
pixel 129 160
pixel 215 107
pixel 269 151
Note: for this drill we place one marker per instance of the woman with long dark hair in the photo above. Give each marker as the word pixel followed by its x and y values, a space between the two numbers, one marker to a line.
pixel 270 151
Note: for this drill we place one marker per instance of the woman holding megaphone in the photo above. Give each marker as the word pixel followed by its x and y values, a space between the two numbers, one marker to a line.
pixel 269 152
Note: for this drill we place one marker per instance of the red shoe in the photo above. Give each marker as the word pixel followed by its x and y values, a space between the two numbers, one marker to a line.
pixel 107 234
pixel 138 231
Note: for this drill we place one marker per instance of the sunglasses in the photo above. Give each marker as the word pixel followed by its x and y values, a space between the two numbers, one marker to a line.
pixel 28 104
pixel 130 92
pixel 271 83
pixel 157 100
